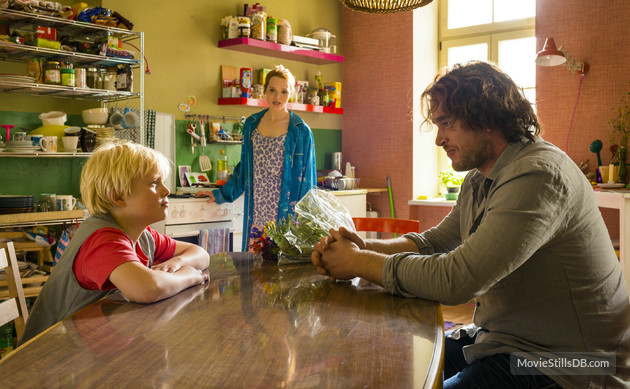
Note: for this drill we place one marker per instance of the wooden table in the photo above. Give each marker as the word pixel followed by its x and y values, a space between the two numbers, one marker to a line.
pixel 255 325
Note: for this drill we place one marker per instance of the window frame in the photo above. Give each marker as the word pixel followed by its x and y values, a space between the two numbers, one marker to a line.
pixel 490 33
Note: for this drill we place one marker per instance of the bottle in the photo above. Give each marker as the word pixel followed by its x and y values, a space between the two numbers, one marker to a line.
pixel 222 167
pixel 246 82
pixel 6 339
pixel 67 77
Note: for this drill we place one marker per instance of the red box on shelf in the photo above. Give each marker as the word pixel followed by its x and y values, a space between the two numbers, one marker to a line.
pixel 46 33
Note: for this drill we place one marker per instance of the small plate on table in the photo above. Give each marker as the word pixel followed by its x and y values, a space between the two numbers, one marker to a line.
pixel 611 186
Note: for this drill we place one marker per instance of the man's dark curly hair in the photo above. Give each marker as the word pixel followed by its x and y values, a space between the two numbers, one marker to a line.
pixel 483 97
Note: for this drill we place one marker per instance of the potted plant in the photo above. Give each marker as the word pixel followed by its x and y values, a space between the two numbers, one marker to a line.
pixel 619 132
pixel 451 181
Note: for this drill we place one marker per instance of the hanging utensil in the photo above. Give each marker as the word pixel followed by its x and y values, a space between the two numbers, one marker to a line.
pixel 192 127
pixel 204 163
pixel 203 133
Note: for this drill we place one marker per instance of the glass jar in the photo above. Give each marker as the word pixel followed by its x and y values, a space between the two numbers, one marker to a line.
pixel 80 78
pixel 67 77
pixel 109 81
pixel 91 78
pixel 52 73
pixel 100 78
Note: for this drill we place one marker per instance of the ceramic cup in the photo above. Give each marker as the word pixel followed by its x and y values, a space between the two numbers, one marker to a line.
pixel 131 119
pixel 66 202
pixel 36 139
pixel 49 143
pixel 87 139
pixel 116 120
pixel 19 136
pixel 70 143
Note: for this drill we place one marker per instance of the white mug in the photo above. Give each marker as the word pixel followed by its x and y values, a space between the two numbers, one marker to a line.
pixel 70 143
pixel 49 143
pixel 116 120
pixel 66 202
pixel 131 119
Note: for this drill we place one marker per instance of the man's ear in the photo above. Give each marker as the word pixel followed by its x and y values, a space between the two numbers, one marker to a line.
pixel 116 199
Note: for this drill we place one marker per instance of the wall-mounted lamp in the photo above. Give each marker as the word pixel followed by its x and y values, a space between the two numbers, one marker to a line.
pixel 552 56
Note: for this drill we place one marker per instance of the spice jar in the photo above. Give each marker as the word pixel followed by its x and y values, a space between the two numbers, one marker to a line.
pixel 52 73
pixel 67 77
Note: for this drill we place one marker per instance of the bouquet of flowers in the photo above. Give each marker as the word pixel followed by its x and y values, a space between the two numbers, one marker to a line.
pixel 292 239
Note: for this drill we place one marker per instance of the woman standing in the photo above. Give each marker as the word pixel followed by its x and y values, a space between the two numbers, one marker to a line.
pixel 277 166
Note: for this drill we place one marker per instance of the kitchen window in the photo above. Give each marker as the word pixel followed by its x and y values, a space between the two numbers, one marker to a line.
pixel 498 31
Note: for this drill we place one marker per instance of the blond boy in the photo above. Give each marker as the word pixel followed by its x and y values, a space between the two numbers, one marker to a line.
pixel 122 186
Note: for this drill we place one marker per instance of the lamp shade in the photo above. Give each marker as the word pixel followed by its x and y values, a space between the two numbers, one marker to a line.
pixel 550 55
pixel 384 6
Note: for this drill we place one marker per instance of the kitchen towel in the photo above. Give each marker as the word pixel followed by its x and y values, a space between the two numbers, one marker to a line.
pixel 215 240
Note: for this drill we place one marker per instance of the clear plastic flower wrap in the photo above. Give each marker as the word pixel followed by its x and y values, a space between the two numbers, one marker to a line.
pixel 315 214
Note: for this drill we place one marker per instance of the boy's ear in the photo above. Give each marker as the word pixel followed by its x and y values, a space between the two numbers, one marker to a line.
pixel 116 198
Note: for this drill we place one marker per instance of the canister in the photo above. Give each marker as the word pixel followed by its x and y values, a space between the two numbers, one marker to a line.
pixel 67 77
pixel 91 77
pixel 272 29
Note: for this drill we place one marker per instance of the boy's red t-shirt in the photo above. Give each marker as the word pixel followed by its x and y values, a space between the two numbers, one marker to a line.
pixel 108 248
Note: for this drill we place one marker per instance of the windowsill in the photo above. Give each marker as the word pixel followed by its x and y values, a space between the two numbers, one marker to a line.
pixel 434 202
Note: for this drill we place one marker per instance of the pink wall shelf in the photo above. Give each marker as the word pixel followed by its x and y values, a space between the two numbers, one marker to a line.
pixel 270 49
pixel 292 106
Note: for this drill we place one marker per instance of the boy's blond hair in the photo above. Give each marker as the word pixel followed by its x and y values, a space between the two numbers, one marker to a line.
pixel 110 172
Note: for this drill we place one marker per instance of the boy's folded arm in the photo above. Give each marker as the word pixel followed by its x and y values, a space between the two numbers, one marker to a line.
pixel 143 285
pixel 189 254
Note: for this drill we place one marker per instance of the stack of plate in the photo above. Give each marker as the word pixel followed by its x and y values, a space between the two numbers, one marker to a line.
pixel 16 204
pixel 21 146
pixel 16 78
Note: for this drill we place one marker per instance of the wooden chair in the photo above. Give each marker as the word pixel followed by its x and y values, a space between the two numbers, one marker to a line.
pixel 13 309
pixel 381 224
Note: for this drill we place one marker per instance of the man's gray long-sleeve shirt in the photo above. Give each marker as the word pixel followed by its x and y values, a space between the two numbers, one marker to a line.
pixel 529 243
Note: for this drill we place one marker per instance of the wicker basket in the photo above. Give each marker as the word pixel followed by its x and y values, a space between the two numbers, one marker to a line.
pixel 384 6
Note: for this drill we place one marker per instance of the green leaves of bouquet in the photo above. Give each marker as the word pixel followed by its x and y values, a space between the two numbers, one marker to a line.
pixel 315 214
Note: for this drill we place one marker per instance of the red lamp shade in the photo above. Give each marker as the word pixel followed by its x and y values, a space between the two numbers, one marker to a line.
pixel 550 55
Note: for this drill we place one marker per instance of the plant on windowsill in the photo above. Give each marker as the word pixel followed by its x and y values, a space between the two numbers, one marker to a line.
pixel 619 133
pixel 451 181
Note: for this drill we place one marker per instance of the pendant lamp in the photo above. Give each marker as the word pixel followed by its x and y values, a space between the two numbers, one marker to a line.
pixel 384 6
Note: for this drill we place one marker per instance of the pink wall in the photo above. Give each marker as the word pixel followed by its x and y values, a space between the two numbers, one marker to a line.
pixel 597 34
pixel 377 80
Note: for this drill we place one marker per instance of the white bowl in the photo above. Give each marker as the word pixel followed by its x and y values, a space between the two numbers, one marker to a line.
pixel 53 118
pixel 95 116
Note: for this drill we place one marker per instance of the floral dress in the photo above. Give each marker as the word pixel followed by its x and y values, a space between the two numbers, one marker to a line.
pixel 268 153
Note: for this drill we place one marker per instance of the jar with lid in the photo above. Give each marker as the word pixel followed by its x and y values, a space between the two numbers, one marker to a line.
pixel 67 77
pixel 52 73
pixel 243 26
pixel 91 78
pixel 272 29
pixel 109 81
pixel 259 28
